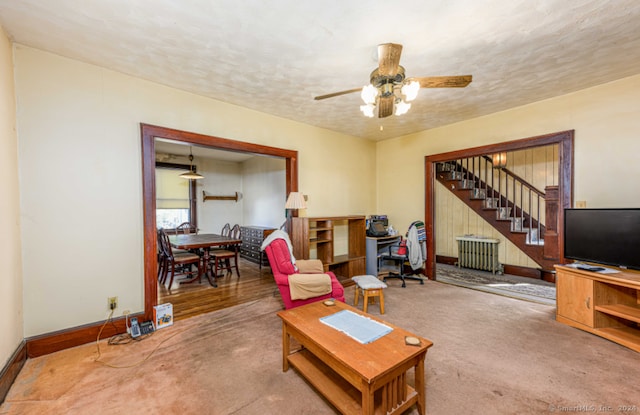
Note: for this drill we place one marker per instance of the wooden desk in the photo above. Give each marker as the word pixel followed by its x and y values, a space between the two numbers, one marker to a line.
pixel 204 241
pixel 354 377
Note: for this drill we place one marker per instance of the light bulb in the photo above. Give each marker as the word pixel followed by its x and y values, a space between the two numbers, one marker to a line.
pixel 369 94
pixel 410 90
pixel 402 107
pixel 367 110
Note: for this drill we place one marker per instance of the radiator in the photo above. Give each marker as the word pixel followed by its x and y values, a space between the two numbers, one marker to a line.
pixel 478 253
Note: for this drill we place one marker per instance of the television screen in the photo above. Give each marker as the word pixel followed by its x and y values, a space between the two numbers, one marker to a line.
pixel 603 236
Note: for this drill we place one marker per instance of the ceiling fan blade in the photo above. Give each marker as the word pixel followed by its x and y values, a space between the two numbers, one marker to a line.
pixel 389 58
pixel 385 106
pixel 336 94
pixel 443 81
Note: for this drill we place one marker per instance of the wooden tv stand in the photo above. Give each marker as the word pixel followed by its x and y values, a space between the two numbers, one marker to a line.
pixel 607 305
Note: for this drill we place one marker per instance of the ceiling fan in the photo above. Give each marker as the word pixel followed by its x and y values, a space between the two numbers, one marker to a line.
pixel 390 90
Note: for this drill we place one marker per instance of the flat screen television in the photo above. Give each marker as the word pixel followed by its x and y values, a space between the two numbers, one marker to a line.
pixel 603 236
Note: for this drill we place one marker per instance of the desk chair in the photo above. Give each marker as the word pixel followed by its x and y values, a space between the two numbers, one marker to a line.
pixel 398 256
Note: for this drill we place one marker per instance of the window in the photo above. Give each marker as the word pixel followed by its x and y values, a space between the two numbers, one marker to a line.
pixel 175 197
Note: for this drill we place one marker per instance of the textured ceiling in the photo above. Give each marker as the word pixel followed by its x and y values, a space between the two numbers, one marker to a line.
pixel 275 56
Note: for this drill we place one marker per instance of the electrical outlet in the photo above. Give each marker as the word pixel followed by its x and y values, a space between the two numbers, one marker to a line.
pixel 113 303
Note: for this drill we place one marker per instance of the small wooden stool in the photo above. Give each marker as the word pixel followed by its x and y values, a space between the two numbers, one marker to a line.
pixel 371 288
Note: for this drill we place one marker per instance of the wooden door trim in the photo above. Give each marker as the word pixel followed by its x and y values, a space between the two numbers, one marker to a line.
pixel 148 136
pixel 564 139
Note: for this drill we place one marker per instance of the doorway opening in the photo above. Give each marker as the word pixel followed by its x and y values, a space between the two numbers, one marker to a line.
pixel 149 133
pixel 564 142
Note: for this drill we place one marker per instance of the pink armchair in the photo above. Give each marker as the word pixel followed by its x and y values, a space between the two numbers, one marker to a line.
pixel 281 266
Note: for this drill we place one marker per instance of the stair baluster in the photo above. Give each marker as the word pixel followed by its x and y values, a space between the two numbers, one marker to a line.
pixel 506 194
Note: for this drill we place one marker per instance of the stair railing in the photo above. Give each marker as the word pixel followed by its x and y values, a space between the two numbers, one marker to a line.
pixel 515 199
pixel 527 202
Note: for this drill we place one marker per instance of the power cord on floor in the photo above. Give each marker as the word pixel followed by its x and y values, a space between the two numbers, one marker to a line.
pixel 125 338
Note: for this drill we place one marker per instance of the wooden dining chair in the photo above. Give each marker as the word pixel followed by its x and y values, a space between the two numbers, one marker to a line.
pixel 161 258
pixel 226 231
pixel 175 264
pixel 186 228
pixel 226 258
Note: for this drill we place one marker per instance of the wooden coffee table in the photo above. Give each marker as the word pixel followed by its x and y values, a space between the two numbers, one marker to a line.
pixel 356 378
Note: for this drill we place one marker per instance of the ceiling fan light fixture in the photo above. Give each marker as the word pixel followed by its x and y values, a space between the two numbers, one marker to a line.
pixel 390 91
pixel 402 107
pixel 367 110
pixel 410 90
pixel 369 94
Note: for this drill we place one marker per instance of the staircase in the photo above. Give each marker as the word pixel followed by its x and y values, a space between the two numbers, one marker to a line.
pixel 512 206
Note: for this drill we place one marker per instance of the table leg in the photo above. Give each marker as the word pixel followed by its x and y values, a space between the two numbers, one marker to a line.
pixel 286 339
pixel 368 405
pixel 210 276
pixel 420 385
pixel 192 279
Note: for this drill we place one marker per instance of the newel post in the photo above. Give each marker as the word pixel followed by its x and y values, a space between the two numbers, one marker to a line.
pixel 552 206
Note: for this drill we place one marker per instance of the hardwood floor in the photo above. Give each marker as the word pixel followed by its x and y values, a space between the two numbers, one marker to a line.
pixel 197 298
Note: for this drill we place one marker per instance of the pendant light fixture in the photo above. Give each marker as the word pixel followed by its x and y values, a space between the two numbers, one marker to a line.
pixel 191 174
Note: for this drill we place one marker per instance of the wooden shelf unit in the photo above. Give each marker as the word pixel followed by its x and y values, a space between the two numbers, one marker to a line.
pixel 607 305
pixel 337 390
pixel 318 232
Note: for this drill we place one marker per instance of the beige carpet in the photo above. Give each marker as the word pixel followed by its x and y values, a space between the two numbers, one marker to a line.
pixel 491 355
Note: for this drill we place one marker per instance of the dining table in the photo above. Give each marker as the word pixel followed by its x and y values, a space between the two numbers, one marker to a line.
pixel 203 242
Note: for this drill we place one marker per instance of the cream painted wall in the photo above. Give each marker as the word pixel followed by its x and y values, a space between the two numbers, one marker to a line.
pixel 222 178
pixel 264 191
pixel 11 302
pixel 607 131
pixel 81 197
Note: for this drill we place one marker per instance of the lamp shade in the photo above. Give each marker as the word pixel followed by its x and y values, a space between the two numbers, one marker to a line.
pixel 410 90
pixel 369 94
pixel 367 110
pixel 295 201
pixel 192 175
pixel 402 107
